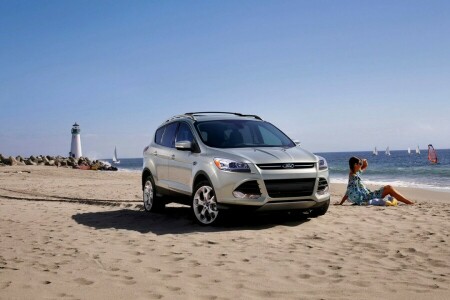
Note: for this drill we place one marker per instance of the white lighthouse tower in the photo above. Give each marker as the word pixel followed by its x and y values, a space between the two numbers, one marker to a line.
pixel 75 147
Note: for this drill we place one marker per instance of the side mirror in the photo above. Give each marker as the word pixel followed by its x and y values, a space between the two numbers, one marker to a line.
pixel 183 145
pixel 297 142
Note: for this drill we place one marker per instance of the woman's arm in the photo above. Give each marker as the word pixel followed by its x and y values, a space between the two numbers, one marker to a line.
pixel 364 165
pixel 343 200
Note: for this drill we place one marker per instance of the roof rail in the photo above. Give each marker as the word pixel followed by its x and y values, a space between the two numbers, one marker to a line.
pixel 193 114
pixel 180 116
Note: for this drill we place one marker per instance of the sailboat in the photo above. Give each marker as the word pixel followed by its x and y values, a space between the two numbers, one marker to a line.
pixel 375 151
pixel 409 150
pixel 417 150
pixel 114 159
pixel 387 151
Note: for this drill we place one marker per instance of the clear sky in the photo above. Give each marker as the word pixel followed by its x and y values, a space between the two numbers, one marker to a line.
pixel 336 75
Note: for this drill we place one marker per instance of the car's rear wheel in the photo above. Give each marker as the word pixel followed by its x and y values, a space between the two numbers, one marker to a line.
pixel 152 203
pixel 204 204
pixel 320 211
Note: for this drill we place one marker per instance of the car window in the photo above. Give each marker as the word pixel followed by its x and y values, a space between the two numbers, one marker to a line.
pixel 184 133
pixel 269 137
pixel 241 134
pixel 168 138
pixel 159 134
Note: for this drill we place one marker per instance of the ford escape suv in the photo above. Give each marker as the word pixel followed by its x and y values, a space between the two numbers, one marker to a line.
pixel 215 161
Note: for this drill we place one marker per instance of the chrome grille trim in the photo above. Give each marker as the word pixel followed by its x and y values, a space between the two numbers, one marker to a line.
pixel 280 166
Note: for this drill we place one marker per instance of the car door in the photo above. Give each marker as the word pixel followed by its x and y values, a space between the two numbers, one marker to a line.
pixel 163 153
pixel 181 161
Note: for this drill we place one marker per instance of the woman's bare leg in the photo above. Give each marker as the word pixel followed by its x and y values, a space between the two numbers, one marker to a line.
pixel 389 190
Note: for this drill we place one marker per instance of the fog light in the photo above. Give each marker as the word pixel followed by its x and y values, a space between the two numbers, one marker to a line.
pixel 323 191
pixel 241 195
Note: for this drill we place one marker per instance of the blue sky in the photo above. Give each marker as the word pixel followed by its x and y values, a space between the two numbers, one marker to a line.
pixel 336 75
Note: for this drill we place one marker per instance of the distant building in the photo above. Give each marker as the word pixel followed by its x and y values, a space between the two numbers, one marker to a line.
pixel 75 147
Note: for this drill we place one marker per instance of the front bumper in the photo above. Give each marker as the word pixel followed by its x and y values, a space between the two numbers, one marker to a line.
pixel 225 183
pixel 278 206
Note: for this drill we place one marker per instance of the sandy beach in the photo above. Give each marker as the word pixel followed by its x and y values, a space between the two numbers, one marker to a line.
pixel 74 234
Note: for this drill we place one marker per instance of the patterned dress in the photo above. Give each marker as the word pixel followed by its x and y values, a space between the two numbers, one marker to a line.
pixel 358 193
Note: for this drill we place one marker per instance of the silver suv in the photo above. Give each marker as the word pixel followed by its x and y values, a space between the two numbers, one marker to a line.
pixel 214 161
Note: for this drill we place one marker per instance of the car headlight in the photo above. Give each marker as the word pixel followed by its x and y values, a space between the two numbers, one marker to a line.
pixel 231 165
pixel 323 165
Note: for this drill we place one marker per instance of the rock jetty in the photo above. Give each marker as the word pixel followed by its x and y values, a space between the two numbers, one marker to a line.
pixel 56 161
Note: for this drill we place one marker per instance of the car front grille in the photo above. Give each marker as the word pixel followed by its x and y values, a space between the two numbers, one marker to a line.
pixel 280 188
pixel 285 166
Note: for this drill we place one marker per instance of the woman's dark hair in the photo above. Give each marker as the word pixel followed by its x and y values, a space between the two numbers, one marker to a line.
pixel 352 161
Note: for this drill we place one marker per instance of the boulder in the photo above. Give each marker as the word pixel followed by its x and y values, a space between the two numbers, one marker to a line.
pixel 30 162
pixel 11 161
pixel 47 163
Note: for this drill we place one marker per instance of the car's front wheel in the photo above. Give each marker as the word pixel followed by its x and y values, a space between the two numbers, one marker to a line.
pixel 204 204
pixel 152 203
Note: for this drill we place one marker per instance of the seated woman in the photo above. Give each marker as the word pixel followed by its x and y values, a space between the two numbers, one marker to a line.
pixel 359 194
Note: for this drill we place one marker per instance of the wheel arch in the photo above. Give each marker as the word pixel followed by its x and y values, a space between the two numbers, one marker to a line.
pixel 145 173
pixel 200 176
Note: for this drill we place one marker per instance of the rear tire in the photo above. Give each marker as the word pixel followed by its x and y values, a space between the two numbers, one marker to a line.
pixel 152 203
pixel 319 211
pixel 204 204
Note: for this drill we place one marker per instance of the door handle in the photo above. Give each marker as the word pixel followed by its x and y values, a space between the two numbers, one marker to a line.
pixel 173 156
pixel 155 153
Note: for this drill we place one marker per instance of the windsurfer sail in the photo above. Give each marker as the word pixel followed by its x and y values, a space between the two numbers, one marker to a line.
pixel 409 150
pixel 387 151
pixel 417 150
pixel 432 155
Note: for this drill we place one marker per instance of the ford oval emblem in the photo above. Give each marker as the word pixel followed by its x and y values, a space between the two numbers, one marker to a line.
pixel 287 166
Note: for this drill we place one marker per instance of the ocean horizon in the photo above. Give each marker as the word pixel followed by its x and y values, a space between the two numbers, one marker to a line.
pixel 399 169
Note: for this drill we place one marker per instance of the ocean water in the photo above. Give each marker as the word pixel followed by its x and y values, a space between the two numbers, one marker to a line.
pixel 399 169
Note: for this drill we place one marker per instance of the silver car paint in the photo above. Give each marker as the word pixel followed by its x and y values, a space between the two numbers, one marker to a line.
pixel 176 170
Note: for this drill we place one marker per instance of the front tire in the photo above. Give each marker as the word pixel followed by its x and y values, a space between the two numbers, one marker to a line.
pixel 152 203
pixel 204 204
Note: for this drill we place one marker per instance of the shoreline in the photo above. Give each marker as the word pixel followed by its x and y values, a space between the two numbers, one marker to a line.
pixel 396 184
pixel 54 245
pixel 418 195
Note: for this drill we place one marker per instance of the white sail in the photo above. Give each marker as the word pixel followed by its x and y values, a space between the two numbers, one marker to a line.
pixel 409 150
pixel 387 151
pixel 417 150
pixel 114 159
pixel 375 151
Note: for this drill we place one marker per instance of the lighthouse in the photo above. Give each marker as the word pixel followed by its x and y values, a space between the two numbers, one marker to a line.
pixel 75 147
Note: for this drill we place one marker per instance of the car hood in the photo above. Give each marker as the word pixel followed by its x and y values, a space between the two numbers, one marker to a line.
pixel 268 155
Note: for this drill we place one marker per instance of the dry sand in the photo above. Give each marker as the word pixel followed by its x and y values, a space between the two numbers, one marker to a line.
pixel 53 244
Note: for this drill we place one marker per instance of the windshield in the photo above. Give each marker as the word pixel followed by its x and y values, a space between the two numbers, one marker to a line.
pixel 241 134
